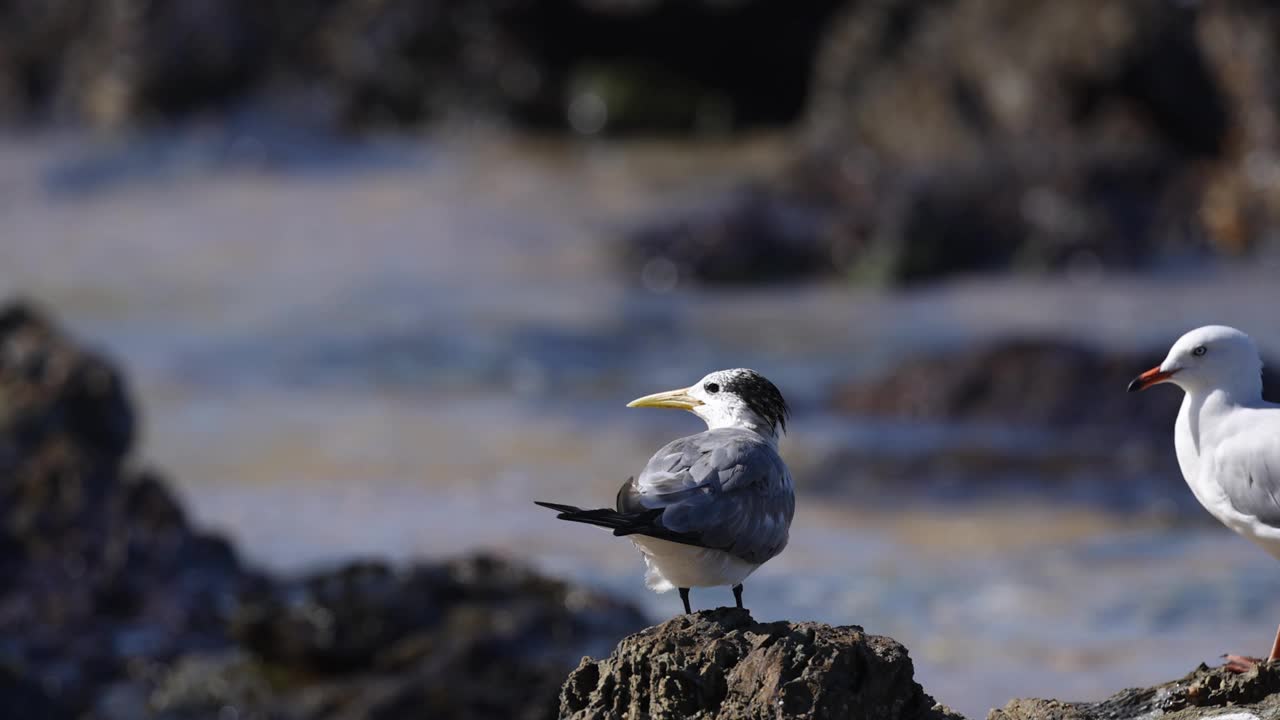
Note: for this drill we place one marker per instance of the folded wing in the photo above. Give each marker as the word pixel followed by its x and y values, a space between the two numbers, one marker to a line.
pixel 726 489
pixel 1247 467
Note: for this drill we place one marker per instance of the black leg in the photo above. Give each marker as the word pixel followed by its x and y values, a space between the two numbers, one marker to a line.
pixel 684 597
pixel 737 595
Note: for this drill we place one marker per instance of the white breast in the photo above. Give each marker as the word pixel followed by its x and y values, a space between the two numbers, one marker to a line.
pixel 1195 446
pixel 676 565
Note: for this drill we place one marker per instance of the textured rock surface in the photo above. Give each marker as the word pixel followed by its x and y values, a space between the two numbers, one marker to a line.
pixel 113 606
pixel 1204 693
pixel 475 637
pixel 101 567
pixel 590 66
pixel 723 664
pixel 1022 381
pixel 1054 415
pixel 989 134
pixel 962 136
pixel 747 237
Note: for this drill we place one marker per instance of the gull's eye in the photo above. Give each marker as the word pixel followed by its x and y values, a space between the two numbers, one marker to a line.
pixel 712 388
pixel 1199 351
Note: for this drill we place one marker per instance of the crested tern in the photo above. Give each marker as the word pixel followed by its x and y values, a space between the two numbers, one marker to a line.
pixel 710 508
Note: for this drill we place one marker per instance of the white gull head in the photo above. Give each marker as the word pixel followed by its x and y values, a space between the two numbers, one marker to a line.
pixel 1209 358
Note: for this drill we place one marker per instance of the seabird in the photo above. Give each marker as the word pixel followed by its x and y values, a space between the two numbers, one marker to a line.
pixel 1227 437
pixel 710 508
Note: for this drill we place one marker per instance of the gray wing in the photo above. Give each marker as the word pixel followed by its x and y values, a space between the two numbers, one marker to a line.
pixel 725 489
pixel 1247 467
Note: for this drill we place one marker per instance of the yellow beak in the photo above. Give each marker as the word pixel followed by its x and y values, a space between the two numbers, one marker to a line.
pixel 679 399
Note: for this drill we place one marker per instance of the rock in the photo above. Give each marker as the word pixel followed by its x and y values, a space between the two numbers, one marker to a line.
pixel 723 664
pixel 113 601
pixel 994 135
pixel 951 84
pixel 1053 415
pixel 748 237
pixel 1001 134
pixel 1204 693
pixel 1022 382
pixel 589 67
pixel 100 561
pixel 130 61
pixel 55 391
pixel 475 637
pixel 20 697
pixel 1015 381
pixel 202 685
pixel 1239 206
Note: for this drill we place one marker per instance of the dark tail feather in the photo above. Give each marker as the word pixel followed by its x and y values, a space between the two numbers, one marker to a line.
pixel 641 522
pixel 558 507
pixel 619 523
pixel 604 517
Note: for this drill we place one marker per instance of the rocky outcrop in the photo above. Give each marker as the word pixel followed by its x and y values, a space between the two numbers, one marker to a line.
pixel 599 66
pixel 963 136
pixel 1022 381
pixel 1007 414
pixel 1204 693
pixel 1015 381
pixel 114 606
pixel 476 637
pixel 997 134
pixel 101 567
pixel 723 664
pixel 747 237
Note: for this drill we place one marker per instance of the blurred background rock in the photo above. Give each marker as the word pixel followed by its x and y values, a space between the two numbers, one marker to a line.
pixel 934 137
pixel 395 267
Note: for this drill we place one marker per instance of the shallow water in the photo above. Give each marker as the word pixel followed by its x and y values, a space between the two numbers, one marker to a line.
pixel 392 348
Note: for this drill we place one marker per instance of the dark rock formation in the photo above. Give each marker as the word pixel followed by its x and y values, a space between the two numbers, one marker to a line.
pixel 1023 382
pixel 471 638
pixel 113 605
pixel 961 136
pixel 723 664
pixel 101 567
pixel 1204 693
pixel 1055 420
pixel 987 135
pixel 747 237
pixel 597 66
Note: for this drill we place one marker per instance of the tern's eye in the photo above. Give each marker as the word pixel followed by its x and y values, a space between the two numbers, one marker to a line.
pixel 712 388
pixel 1199 351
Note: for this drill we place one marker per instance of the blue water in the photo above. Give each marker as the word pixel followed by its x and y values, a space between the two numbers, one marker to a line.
pixel 392 348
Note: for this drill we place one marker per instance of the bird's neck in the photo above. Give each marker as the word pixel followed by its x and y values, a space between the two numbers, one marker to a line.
pixel 1242 392
pixel 1204 409
pixel 749 421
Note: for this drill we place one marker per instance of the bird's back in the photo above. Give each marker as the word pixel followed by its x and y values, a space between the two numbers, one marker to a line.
pixel 728 486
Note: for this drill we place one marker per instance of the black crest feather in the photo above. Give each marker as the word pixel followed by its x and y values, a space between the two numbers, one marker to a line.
pixel 762 396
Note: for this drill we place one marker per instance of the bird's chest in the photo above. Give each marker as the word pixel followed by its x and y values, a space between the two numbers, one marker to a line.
pixel 1187 446
pixel 1193 460
pixel 1197 444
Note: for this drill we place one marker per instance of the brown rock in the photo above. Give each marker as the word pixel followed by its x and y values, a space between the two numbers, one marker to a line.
pixel 1204 693
pixel 723 664
pixel 1016 381
pixel 111 601
pixel 1023 382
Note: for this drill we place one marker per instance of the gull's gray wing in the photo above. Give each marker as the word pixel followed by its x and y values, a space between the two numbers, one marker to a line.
pixel 1247 467
pixel 726 489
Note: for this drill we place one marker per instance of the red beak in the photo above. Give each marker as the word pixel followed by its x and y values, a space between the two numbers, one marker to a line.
pixel 1154 376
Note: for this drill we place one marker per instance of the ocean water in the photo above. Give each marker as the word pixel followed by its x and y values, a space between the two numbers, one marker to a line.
pixel 391 348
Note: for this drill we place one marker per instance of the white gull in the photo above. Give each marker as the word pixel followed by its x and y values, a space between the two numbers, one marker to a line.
pixel 1227 437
